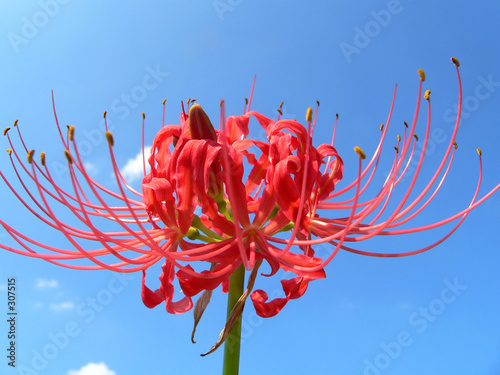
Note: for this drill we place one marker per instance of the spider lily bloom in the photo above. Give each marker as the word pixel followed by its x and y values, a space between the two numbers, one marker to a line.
pixel 215 201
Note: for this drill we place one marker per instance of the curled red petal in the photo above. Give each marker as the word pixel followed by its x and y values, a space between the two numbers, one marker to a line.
pixel 192 285
pixel 236 127
pixel 157 190
pixel 149 298
pixel 293 288
pixel 167 288
pixel 263 120
pixel 287 193
pixel 165 292
pixel 160 150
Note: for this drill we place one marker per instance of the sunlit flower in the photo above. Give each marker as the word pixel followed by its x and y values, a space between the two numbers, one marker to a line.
pixel 217 200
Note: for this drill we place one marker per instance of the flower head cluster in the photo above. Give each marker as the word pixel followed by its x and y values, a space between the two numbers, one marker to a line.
pixel 217 200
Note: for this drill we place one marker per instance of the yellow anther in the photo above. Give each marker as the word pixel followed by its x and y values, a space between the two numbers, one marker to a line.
pixel 399 138
pixel 9 151
pixel 188 101
pixel 455 61
pixel 281 104
pixel 280 112
pixel 71 133
pixel 427 94
pixel 381 127
pixel 6 130
pixel 68 156
pixel 416 137
pixel 109 137
pixel 455 144
pixel 143 116
pixel 309 114
pixel 104 114
pixel 421 74
pixel 164 101
pixel 397 149
pixel 42 158
pixel 360 152
pixel 317 102
pixel 406 124
pixel 15 122
pixel 30 156
pixel 479 151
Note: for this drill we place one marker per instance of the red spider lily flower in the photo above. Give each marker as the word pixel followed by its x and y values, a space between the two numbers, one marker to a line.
pixel 215 200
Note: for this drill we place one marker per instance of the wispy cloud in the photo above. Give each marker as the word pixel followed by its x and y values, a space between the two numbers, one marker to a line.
pixel 133 169
pixel 45 283
pixel 90 168
pixel 62 306
pixel 93 369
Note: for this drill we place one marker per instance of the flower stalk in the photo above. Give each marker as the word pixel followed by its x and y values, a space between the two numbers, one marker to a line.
pixel 232 345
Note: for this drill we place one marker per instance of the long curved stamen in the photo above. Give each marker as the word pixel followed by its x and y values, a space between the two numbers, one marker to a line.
pixel 376 155
pixel 251 95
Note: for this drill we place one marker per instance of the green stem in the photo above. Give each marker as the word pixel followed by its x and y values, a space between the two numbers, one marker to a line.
pixel 232 345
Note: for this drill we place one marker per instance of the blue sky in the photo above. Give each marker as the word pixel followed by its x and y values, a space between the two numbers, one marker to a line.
pixel 435 313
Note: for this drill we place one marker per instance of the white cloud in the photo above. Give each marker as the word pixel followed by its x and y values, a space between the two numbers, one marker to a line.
pixel 90 168
pixel 45 283
pixel 133 169
pixel 62 306
pixel 93 369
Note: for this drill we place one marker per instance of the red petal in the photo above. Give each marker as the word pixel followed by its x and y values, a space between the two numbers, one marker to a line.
pixel 286 191
pixel 165 292
pixel 157 190
pixel 149 298
pixel 236 128
pixel 192 285
pixel 293 288
pixel 263 120
pixel 168 290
